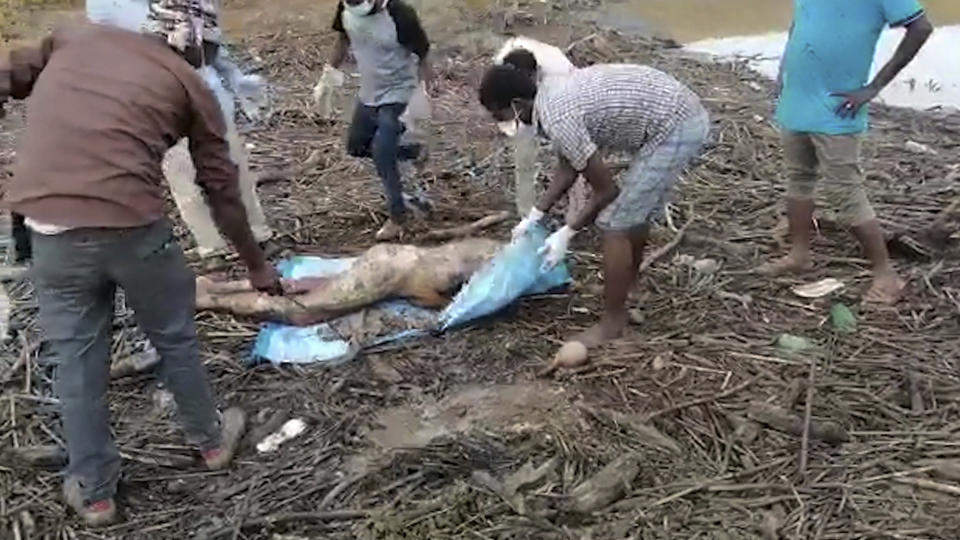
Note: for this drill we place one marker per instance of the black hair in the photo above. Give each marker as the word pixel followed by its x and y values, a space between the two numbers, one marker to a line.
pixel 503 84
pixel 521 59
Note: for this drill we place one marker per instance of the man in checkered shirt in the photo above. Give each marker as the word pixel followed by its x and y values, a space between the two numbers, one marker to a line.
pixel 606 108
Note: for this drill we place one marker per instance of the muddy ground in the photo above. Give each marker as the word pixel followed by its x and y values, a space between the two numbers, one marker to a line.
pixel 695 425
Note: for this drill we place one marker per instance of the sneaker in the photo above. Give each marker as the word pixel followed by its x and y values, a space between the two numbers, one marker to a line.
pixel 390 232
pixel 233 423
pixel 95 514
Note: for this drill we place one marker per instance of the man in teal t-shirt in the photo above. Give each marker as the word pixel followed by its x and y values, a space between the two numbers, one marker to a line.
pixel 822 112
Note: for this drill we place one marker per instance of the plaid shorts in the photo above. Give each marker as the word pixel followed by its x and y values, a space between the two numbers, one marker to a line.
pixel 646 187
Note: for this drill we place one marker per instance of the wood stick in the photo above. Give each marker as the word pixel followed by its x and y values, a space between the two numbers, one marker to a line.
pixel 781 420
pixel 916 397
pixel 12 272
pixel 700 401
pixel 288 173
pixel 666 248
pixel 279 519
pixel 928 484
pixel 807 414
pixel 943 216
pixel 468 229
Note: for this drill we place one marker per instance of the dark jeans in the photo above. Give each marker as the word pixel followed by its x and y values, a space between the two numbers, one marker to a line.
pixel 375 133
pixel 76 275
pixel 21 238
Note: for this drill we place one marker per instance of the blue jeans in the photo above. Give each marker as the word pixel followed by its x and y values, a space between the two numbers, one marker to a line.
pixel 375 133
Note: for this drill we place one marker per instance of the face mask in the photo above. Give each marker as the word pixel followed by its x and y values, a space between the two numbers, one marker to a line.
pixel 359 10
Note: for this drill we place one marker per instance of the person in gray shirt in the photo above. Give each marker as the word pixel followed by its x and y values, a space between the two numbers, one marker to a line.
pixel 390 47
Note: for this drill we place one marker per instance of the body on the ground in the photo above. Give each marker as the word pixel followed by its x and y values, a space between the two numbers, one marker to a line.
pixel 423 275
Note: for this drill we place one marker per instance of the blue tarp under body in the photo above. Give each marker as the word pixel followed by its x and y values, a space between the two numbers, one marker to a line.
pixel 514 272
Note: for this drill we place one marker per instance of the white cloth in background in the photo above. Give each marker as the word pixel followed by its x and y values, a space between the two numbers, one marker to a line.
pixel 178 165
pixel 553 67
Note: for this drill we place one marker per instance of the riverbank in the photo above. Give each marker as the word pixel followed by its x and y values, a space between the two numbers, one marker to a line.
pixel 456 437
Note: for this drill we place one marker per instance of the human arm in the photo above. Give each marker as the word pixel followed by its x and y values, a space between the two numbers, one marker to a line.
pixel 604 192
pixel 342 47
pixel 918 31
pixel 20 69
pixel 410 34
pixel 563 177
pixel 217 176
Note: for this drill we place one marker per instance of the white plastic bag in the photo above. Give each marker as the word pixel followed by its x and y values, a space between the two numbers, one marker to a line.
pixel 415 116
pixel 330 81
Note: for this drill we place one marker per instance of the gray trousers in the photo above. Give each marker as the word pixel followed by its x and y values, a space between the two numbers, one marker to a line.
pixel 76 275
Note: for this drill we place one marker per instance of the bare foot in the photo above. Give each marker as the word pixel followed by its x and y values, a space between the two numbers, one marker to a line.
pixel 791 264
pixel 608 329
pixel 887 288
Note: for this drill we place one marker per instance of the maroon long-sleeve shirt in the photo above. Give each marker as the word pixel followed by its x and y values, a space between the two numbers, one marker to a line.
pixel 104 107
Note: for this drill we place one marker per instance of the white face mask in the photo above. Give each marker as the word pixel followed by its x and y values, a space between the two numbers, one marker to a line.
pixel 359 10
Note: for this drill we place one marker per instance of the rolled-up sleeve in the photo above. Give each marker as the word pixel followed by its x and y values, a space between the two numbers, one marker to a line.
pixel 901 12
pixel 572 140
pixel 216 172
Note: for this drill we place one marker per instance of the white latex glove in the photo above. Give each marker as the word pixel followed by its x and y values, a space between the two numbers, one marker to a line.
pixel 527 223
pixel 331 79
pixel 555 249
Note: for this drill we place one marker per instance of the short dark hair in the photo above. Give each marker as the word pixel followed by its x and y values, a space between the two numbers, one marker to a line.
pixel 503 84
pixel 521 59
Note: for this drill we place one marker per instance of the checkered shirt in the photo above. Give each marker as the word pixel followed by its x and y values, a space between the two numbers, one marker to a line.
pixel 614 107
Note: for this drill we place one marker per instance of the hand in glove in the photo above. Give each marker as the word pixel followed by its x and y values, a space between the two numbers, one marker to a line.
pixel 555 249
pixel 527 223
pixel 331 79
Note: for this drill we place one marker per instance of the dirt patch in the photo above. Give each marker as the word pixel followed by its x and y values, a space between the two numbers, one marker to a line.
pixel 517 408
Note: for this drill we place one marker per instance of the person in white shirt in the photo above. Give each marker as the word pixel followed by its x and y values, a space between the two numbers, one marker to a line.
pixel 550 66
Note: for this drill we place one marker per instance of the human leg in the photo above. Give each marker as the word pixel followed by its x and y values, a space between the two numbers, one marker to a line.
pixel 843 185
pixel 622 253
pixel 180 175
pixel 802 168
pixel 248 186
pixel 646 188
pixel 150 266
pixel 76 311
pixel 239 298
pixel 386 154
pixel 362 129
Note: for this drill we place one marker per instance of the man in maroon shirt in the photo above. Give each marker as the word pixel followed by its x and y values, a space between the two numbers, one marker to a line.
pixel 105 105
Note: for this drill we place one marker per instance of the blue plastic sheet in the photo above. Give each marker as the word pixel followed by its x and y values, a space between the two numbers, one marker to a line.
pixel 515 272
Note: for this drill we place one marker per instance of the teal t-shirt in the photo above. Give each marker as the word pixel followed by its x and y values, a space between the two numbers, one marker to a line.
pixel 831 49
